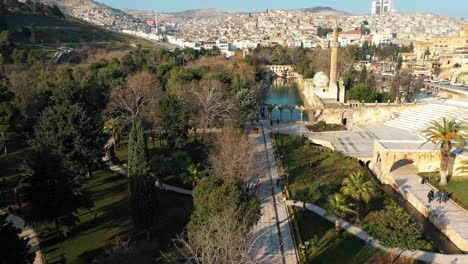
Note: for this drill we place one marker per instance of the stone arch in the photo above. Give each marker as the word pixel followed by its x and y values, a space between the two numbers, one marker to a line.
pixel 400 163
pixel 346 117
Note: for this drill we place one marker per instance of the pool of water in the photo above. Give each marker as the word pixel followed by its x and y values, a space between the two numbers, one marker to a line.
pixel 285 92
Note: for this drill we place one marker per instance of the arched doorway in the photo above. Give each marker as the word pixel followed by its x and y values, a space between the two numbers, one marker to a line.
pixel 346 118
pixel 401 163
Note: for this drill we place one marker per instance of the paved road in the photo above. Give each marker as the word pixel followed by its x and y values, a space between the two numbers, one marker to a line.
pixel 273 240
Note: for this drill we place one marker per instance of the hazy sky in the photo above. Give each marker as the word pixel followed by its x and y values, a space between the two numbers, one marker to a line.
pixel 456 8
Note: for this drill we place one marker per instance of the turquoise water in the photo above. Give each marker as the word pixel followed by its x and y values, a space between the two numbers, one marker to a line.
pixel 285 92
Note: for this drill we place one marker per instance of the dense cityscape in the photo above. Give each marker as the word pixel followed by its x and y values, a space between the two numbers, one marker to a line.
pixel 282 135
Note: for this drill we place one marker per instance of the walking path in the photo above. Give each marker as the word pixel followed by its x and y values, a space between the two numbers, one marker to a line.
pixel 450 218
pixel 273 240
pixel 358 232
pixel 121 171
pixel 28 232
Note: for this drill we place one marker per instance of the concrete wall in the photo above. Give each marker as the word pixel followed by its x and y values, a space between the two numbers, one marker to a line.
pixel 363 114
pixel 423 160
pixel 306 88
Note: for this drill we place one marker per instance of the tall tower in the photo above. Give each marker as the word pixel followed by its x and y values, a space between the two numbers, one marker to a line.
pixel 156 21
pixel 334 55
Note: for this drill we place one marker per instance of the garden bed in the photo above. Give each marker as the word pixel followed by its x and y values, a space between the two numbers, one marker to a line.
pixel 322 171
pixel 321 126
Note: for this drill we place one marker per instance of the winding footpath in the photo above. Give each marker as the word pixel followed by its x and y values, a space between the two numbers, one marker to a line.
pixel 430 257
pixel 26 231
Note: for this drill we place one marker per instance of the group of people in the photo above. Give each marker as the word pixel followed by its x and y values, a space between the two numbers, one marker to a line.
pixel 440 196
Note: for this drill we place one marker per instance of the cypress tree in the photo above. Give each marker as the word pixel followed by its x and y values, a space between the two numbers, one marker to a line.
pixel 142 190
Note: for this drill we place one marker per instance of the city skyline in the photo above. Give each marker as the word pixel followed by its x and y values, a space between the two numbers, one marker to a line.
pixel 453 8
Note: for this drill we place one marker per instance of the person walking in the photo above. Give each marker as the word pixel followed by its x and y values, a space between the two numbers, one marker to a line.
pixel 439 196
pixel 430 195
pixel 445 197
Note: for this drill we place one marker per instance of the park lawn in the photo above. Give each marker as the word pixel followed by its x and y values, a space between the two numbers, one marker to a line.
pixel 110 217
pixel 459 187
pixel 171 166
pixel 328 167
pixel 10 163
pixel 343 249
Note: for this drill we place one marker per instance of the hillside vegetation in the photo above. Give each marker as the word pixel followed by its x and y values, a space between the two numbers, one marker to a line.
pixel 35 25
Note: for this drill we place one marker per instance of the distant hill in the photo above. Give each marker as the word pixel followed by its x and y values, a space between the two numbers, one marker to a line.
pixel 72 7
pixel 39 27
pixel 324 10
pixel 203 13
pixel 216 13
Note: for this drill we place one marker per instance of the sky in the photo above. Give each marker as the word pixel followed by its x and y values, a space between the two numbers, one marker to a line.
pixel 454 8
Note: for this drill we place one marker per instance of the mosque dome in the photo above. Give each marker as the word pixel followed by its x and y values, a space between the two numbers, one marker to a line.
pixel 321 79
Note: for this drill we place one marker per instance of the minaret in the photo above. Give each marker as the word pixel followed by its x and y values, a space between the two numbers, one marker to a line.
pixel 334 56
pixel 156 21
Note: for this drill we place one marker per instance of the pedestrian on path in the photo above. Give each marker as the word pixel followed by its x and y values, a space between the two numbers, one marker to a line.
pixel 439 196
pixel 430 195
pixel 445 197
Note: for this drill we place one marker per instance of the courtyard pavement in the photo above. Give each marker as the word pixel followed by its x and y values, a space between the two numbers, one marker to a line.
pixel 356 142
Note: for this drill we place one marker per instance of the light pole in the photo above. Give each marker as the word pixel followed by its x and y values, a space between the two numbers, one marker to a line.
pixel 306 245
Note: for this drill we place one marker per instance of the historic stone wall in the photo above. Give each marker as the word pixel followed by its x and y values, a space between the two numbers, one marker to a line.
pixel 306 87
pixel 423 160
pixel 362 114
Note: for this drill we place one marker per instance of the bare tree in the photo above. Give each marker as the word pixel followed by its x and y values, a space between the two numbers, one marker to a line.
pixel 210 103
pixel 129 100
pixel 236 158
pixel 222 239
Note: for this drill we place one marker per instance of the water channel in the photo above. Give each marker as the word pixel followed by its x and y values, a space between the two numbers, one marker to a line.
pixel 285 92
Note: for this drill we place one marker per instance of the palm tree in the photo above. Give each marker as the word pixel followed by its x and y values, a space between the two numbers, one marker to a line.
pixel 339 206
pixel 356 187
pixel 444 134
pixel 303 195
pixel 195 172
pixel 113 126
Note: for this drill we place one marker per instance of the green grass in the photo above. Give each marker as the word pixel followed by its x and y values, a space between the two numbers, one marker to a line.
pixel 328 167
pixel 9 168
pixel 54 31
pixel 171 165
pixel 459 187
pixel 110 217
pixel 331 248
